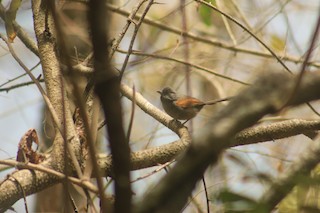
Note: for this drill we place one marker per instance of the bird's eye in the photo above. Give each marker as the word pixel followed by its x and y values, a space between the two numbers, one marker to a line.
pixel 173 95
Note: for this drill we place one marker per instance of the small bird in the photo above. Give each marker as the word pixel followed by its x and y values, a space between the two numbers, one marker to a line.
pixel 183 107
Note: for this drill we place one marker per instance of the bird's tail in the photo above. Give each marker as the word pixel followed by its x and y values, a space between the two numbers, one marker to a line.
pixel 218 100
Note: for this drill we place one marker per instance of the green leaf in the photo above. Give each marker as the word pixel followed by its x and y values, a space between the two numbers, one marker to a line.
pixel 277 43
pixel 205 13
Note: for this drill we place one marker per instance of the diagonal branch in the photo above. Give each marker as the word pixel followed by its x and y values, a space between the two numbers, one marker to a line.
pixel 266 96
pixel 209 41
pixel 280 188
pixel 157 155
pixel 135 33
pixel 24 37
pixel 44 30
pixel 107 89
pixel 248 31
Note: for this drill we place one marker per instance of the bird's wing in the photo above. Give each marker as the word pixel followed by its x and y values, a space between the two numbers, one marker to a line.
pixel 188 102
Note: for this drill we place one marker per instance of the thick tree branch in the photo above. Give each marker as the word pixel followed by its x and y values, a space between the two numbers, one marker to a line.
pixel 107 88
pixel 274 131
pixel 279 189
pixel 162 154
pixel 44 29
pixel 266 96
pixel 165 153
pixel 31 182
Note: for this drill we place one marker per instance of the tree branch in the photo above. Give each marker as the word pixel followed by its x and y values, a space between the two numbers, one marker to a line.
pixel 265 96
pixel 107 88
pixel 212 42
pixel 165 153
pixel 275 131
pixel 21 33
pixel 281 187
pixel 44 29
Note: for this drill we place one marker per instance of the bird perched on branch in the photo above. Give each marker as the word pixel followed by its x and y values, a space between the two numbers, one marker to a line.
pixel 183 107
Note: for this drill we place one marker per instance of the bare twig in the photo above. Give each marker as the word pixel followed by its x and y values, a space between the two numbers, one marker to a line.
pixel 216 43
pixel 35 80
pixel 232 119
pixel 135 32
pixel 82 183
pixel 130 18
pixel 248 31
pixel 306 60
pixel 10 177
pixel 227 25
pixel 20 76
pixel 132 114
pixel 207 70
pixel 163 166
pixel 7 89
pixel 206 193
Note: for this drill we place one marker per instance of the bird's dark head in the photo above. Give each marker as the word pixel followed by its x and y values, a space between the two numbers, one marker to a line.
pixel 168 93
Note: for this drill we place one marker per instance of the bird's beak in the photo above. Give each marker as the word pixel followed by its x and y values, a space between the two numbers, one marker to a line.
pixel 160 92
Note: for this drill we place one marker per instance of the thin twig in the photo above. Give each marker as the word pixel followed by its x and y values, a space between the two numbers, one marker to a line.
pixel 163 166
pixel 22 190
pixel 305 62
pixel 186 63
pixel 34 79
pixel 290 30
pixel 7 89
pixel 130 18
pixel 227 25
pixel 133 105
pixel 186 53
pixel 135 33
pixel 265 23
pixel 243 17
pixel 74 205
pixel 206 193
pixel 20 76
pixel 212 42
pixel 248 31
pixel 313 109
pixel 82 183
